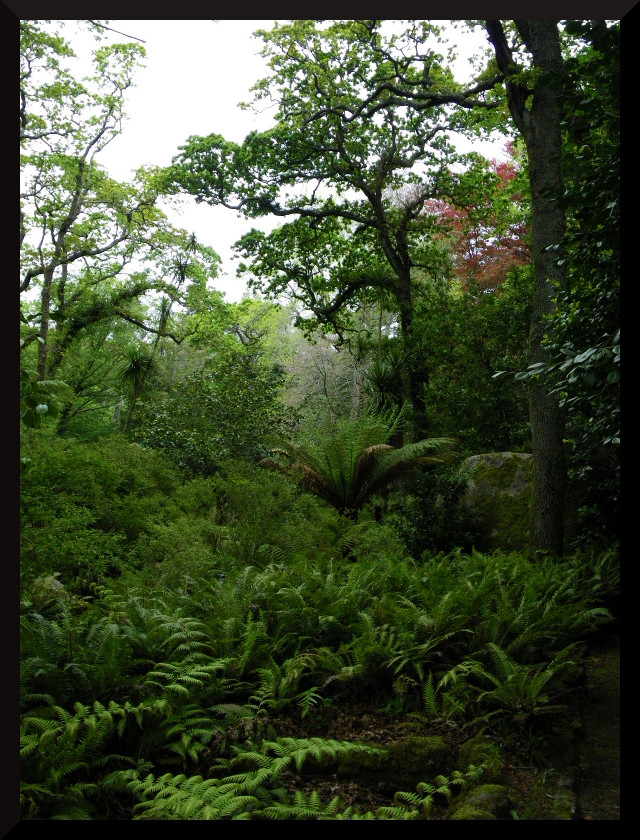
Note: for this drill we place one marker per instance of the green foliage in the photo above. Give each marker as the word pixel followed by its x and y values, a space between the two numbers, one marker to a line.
pixel 410 806
pixel 429 517
pixel 40 398
pixel 525 691
pixel 471 333
pixel 384 377
pixel 227 411
pixel 83 504
pixel 486 641
pixel 56 753
pixel 350 460
pixel 254 792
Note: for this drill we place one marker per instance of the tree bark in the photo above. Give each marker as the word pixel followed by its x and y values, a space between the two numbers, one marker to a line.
pixel 539 125
pixel 415 373
pixel 45 311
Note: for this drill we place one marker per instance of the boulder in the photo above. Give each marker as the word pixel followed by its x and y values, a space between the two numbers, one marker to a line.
pixel 481 750
pixel 498 498
pixel 403 765
pixel 487 802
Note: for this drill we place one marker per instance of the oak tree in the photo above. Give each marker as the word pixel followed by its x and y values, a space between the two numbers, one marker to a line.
pixel 346 140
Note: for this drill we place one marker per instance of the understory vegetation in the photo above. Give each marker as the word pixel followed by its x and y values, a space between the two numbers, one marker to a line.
pixel 186 621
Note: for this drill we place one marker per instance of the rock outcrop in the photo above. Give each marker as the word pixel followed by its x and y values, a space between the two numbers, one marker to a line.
pixel 498 498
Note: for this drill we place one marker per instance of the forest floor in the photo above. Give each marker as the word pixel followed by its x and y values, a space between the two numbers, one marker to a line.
pixel 580 781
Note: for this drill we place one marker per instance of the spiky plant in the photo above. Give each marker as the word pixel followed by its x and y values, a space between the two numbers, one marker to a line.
pixel 350 459
pixel 133 372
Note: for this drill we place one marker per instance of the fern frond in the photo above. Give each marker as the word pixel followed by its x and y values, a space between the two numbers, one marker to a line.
pixel 396 812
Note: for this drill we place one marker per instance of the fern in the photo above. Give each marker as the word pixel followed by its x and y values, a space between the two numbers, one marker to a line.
pixel 304 807
pixel 323 750
pixel 252 792
pixel 187 798
pixel 409 805
pixel 56 751
pixel 308 699
pixel 350 459
pixel 185 678
pixel 518 691
pixel 184 638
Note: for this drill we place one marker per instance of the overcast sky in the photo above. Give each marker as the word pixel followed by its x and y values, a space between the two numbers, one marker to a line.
pixel 196 73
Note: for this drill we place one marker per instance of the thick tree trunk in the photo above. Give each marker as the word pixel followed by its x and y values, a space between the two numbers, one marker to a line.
pixel 539 125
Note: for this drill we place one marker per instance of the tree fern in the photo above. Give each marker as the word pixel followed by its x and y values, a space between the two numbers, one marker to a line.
pixel 351 459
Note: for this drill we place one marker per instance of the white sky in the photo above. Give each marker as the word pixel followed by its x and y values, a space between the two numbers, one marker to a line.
pixel 196 73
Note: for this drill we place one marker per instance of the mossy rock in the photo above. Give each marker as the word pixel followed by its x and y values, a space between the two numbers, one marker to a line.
pixel 419 754
pixel 498 497
pixel 486 802
pixel 355 763
pixel 416 759
pixel 468 812
pixel 404 764
pixel 477 751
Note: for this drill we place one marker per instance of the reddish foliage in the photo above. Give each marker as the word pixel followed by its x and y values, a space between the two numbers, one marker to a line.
pixel 485 248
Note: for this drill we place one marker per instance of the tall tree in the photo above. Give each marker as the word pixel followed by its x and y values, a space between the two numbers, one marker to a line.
pixel 90 246
pixel 533 99
pixel 583 346
pixel 343 132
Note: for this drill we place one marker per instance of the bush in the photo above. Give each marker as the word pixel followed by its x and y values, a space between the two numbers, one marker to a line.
pixel 428 516
pixel 83 505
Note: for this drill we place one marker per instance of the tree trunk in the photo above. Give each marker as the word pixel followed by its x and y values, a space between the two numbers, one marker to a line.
pixel 415 374
pixel 539 125
pixel 45 310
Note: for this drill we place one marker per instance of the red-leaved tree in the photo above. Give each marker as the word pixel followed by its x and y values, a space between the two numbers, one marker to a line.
pixel 489 237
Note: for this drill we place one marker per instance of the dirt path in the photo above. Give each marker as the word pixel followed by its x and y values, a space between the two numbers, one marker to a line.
pixel 598 789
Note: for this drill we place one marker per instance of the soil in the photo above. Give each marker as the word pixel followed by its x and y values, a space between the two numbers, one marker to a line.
pixel 576 778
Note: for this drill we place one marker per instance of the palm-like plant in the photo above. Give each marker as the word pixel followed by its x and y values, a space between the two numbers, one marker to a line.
pixel 384 376
pixel 133 372
pixel 350 459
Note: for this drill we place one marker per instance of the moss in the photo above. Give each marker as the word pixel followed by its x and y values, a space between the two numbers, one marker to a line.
pixel 564 805
pixel 500 488
pixel 401 766
pixel 468 812
pixel 493 800
pixel 499 476
pixel 353 763
pixel 481 751
pixel 419 755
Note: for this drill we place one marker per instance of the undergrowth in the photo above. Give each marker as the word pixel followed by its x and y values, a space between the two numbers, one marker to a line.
pixel 157 703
